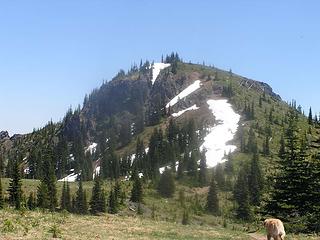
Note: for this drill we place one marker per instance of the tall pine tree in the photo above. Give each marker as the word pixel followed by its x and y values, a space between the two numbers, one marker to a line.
pixel 1 194
pixel 255 180
pixel 15 193
pixel 212 205
pixel 136 191
pixel 241 195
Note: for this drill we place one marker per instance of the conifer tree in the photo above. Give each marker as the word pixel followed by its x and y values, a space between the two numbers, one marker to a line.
pixel 52 189
pixel 166 186
pixel 180 171
pixel 31 203
pixel 42 195
pixel 81 202
pixel 117 192
pixel 212 205
pixel 98 201
pixel 1 195
pixel 292 190
pixel 255 180
pixel 203 169
pixel 49 191
pixel 63 197
pixel 68 198
pixel 113 208
pixel 241 195
pixel 136 192
pixel 229 168
pixel 282 150
pixel 219 176
pixel 266 147
pixel 252 142
pixel 15 193
pixel 310 120
pixel 192 165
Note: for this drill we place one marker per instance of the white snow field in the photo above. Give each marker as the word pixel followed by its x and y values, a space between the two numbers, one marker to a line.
pixel 156 68
pixel 194 107
pixel 216 142
pixel 190 89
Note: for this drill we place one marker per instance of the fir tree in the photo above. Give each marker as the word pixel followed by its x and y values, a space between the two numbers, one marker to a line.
pixel 63 197
pixel 192 165
pixel 180 171
pixel 290 195
pixel 241 195
pixel 282 150
pixel 98 201
pixel 255 180
pixel 203 169
pixel 266 147
pixel 212 205
pixel 219 176
pixel 229 168
pixel 252 142
pixel 310 120
pixel 136 191
pixel 31 203
pixel 42 195
pixel 113 208
pixel 293 190
pixel 81 202
pixel 68 198
pixel 15 193
pixel 166 186
pixel 1 195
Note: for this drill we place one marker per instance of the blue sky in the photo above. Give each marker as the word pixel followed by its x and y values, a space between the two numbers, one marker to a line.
pixel 54 52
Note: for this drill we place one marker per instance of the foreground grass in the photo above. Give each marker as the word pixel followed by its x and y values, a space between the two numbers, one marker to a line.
pixel 39 225
pixel 42 225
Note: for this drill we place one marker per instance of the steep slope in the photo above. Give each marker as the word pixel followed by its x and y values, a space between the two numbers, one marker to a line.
pixel 133 104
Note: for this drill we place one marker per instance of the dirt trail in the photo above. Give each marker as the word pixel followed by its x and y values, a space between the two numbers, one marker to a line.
pixel 256 236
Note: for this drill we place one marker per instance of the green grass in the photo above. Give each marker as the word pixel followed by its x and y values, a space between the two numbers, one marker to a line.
pixel 39 225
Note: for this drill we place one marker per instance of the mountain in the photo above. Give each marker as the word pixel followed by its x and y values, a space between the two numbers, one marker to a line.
pixel 184 117
pixel 133 103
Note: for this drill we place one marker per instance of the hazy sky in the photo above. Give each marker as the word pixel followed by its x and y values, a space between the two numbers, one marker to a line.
pixel 54 52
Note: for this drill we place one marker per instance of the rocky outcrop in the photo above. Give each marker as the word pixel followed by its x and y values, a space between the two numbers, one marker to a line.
pixel 4 135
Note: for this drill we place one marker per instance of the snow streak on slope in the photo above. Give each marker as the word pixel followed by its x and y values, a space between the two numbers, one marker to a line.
pixel 156 68
pixel 216 142
pixel 161 170
pixel 70 178
pixel 96 172
pixel 91 148
pixel 194 107
pixel 190 89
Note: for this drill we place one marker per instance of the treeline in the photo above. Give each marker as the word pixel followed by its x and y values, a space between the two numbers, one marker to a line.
pixel 46 196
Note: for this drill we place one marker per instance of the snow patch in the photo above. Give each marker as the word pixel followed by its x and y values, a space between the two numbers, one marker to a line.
pixel 194 107
pixel 216 142
pixel 190 89
pixel 91 148
pixel 161 170
pixel 96 172
pixel 156 68
pixel 70 178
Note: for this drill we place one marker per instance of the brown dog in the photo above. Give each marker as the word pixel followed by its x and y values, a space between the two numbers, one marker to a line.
pixel 275 229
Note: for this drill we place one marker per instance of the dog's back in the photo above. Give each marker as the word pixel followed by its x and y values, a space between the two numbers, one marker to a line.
pixel 275 229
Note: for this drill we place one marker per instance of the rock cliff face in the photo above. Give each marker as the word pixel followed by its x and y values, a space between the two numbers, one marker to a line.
pixel 4 135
